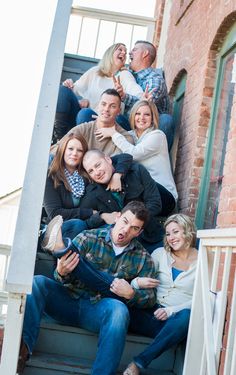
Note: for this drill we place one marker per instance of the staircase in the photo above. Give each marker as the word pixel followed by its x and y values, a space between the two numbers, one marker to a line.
pixel 68 350
pixel 74 66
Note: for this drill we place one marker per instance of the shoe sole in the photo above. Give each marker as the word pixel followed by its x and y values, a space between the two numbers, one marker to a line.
pixel 51 233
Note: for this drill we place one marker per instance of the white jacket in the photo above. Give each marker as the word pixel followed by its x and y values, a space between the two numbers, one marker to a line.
pixel 151 151
pixel 90 85
pixel 175 295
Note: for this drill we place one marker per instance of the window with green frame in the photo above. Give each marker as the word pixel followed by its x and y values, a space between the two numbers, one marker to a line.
pixel 211 182
pixel 177 113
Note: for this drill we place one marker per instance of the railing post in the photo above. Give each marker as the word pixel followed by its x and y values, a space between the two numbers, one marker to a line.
pixel 206 328
pixel 23 253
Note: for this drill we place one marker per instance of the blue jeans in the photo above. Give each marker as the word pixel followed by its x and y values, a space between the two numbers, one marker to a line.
pixel 86 115
pixel 94 279
pixel 165 333
pixel 67 103
pixel 108 317
pixel 166 124
pixel 71 228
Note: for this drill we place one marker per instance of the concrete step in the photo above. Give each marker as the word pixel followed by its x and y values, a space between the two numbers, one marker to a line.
pixel 52 364
pixel 67 341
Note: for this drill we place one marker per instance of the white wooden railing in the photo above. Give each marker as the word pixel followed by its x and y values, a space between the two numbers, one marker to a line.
pixel 23 253
pixel 4 262
pixel 104 28
pixel 210 300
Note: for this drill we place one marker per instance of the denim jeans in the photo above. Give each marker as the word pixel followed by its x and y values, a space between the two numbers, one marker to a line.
pixel 108 317
pixel 166 124
pixel 86 115
pixel 68 104
pixel 71 228
pixel 165 333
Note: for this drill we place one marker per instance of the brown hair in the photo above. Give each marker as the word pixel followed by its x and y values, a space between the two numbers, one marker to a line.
pixel 56 169
pixel 138 209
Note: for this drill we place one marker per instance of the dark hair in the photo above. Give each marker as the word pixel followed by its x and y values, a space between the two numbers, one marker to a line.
pixel 56 169
pixel 112 92
pixel 151 49
pixel 138 209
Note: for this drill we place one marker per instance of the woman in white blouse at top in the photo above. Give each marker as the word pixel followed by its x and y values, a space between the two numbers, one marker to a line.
pixel 150 149
pixel 101 77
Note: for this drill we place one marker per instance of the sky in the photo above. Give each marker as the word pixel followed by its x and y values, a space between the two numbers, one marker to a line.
pixel 25 28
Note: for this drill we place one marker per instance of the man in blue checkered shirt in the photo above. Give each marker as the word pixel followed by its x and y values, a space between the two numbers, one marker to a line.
pixel 152 81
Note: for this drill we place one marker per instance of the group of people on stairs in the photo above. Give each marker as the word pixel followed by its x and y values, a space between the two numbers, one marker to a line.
pixel 126 259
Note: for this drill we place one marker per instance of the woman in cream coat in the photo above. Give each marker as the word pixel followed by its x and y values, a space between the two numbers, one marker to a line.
pixel 96 80
pixel 167 322
pixel 150 149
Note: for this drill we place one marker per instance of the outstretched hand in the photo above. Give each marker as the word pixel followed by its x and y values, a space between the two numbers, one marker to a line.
pixel 68 83
pixel 104 133
pixel 161 314
pixel 109 218
pixel 115 182
pixel 147 282
pixel 84 103
pixel 122 288
pixel 67 263
pixel 118 86
pixel 148 95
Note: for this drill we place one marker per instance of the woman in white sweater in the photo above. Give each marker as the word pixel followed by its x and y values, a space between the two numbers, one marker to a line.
pixel 100 78
pixel 167 323
pixel 150 149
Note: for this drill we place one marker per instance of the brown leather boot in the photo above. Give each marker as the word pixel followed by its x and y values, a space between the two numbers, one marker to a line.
pixel 23 357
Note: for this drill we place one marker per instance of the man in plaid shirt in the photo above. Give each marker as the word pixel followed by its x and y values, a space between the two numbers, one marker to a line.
pixel 142 56
pixel 114 251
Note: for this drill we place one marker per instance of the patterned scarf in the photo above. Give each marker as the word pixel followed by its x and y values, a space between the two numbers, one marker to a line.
pixel 76 183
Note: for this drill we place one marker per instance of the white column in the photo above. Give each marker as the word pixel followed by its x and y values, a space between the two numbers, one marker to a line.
pixel 164 33
pixel 21 267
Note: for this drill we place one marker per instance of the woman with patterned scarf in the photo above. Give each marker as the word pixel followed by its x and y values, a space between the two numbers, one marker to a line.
pixel 66 184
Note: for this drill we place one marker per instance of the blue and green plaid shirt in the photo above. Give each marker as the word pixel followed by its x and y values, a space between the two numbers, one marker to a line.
pixel 96 246
pixel 154 80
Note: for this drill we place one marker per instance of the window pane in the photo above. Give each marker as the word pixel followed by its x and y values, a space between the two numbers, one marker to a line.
pixel 139 33
pixel 220 140
pixel 88 37
pixel 124 35
pixel 105 38
pixel 124 6
pixel 73 33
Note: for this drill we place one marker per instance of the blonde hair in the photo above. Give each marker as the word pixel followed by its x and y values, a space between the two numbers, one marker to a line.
pixel 106 62
pixel 186 223
pixel 153 109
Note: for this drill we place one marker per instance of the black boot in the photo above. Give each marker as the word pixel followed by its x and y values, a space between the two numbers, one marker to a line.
pixel 61 126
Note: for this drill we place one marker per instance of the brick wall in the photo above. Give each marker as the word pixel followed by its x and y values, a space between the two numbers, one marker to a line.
pixel 159 11
pixel 196 33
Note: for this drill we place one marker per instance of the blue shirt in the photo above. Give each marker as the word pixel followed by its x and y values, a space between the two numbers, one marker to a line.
pixel 175 272
pixel 154 80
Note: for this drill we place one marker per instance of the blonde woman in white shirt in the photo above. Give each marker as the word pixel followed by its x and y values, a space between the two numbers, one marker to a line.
pixel 167 323
pixel 110 70
pixel 150 149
